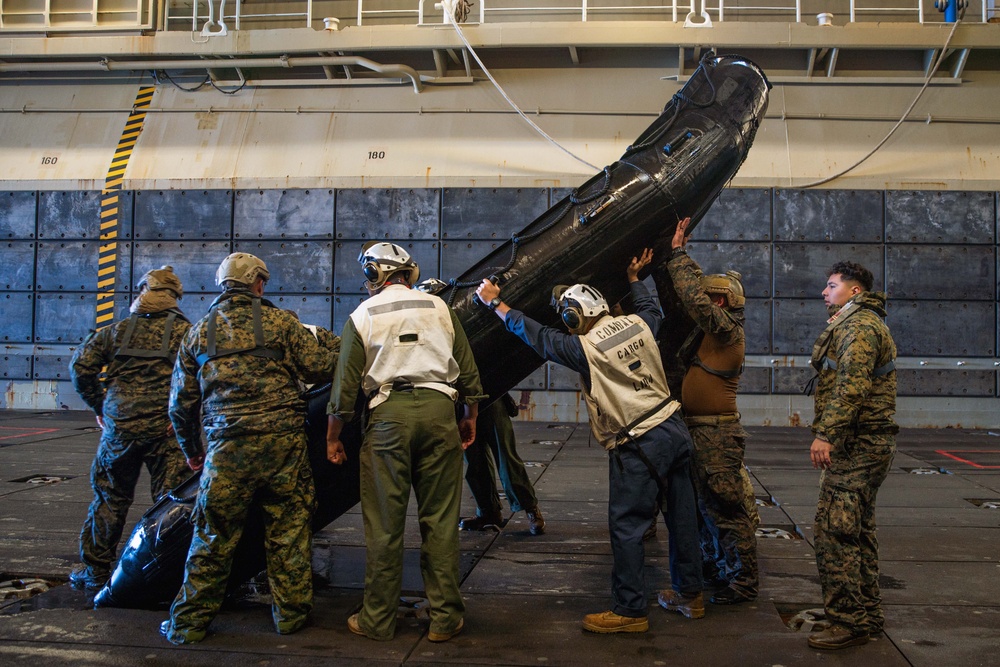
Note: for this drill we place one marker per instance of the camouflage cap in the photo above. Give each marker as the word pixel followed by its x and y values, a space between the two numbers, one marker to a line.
pixel 727 284
pixel 162 278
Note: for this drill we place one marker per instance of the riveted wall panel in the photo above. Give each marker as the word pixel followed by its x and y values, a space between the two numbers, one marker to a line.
pixel 194 262
pixel 52 363
pixel 17 265
pixel 751 260
pixel 347 275
pixel 758 326
pixel 388 215
pixel 737 215
pixel 935 382
pixel 755 381
pixel 940 217
pixel 295 266
pixel 314 309
pixel 538 380
pixel 15 366
pixel 77 215
pixel 458 256
pixel 66 318
pixel 16 310
pixel 943 328
pixel 17 215
pixel 343 306
pixel 283 214
pixel 828 215
pixel 562 378
pixel 800 269
pixel 489 213
pixel 73 266
pixel 791 380
pixel 797 324
pixel 941 272
pixel 183 214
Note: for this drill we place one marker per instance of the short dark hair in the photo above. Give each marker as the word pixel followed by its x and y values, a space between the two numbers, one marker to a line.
pixel 855 272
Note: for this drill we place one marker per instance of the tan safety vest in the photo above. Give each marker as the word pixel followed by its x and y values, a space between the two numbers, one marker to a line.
pixel 628 388
pixel 408 337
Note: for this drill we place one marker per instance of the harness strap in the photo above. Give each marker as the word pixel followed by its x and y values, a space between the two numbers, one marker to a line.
pixel 125 352
pixel 258 349
pixel 713 371
pixel 626 432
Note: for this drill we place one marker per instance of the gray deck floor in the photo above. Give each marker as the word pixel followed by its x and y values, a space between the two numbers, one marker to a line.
pixel 526 595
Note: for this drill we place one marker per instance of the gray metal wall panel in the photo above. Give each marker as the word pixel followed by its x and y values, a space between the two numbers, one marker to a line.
pixel 347 275
pixel 940 217
pixel 195 262
pixel 16 310
pixel 537 381
pixel 562 378
pixel 942 272
pixel 343 306
pixel 15 366
pixel 183 214
pixel 388 215
pixel 752 260
pixel 758 326
pixel 800 269
pixel 927 382
pixel 755 381
pixel 77 215
pixel 788 380
pixel 457 256
pixel 284 214
pixel 737 215
pixel 943 328
pixel 72 266
pixel 314 309
pixel 17 215
pixel 68 318
pixel 53 364
pixel 489 213
pixel 797 323
pixel 17 265
pixel 828 215
pixel 295 266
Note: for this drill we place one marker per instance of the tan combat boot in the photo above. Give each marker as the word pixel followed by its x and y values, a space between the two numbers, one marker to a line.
pixel 692 606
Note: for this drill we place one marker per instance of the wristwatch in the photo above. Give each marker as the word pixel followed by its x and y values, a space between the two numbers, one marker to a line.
pixel 492 305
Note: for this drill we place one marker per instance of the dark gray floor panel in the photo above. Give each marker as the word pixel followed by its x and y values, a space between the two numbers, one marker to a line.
pixel 931 635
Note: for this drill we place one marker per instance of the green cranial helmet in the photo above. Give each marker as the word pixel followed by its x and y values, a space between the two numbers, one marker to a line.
pixel 727 284
pixel 241 268
pixel 162 278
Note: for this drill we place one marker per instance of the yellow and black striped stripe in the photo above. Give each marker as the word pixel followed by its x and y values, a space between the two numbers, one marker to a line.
pixel 107 261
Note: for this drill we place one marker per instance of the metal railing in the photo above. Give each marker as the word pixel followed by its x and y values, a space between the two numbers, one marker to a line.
pixel 216 17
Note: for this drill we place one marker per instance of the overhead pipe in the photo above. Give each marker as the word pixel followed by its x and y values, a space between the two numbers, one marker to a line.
pixel 108 65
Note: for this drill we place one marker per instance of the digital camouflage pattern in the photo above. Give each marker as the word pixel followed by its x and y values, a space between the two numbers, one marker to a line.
pixel 728 506
pixel 850 399
pixel 854 411
pixel 254 421
pixel 133 403
pixel 725 494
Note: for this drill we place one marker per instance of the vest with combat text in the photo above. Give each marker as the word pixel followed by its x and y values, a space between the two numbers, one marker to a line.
pixel 408 336
pixel 628 389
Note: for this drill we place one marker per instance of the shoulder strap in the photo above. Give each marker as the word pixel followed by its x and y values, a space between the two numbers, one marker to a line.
pixel 257 350
pixel 126 352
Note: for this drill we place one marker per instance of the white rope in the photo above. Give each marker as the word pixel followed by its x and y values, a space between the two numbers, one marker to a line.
pixel 449 10
pixel 927 81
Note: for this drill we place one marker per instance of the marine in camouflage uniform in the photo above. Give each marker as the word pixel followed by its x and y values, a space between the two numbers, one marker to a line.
pixel 239 369
pixel 713 355
pixel 854 445
pixel 131 408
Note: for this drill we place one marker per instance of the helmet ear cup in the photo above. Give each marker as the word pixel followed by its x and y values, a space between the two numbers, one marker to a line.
pixel 572 317
pixel 373 273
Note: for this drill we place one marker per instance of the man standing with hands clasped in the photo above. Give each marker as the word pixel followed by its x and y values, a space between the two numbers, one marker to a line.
pixel 854 444
pixel 408 353
pixel 635 419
